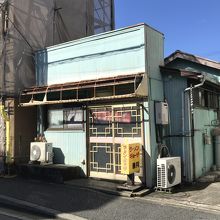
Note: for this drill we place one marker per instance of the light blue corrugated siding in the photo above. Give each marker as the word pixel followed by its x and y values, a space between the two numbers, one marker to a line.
pixel 71 143
pixel 110 54
pixel 204 153
pixel 154 58
pixel 154 53
pixel 179 146
pixel 174 87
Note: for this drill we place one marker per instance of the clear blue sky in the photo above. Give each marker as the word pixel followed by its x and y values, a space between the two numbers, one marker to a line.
pixel 192 26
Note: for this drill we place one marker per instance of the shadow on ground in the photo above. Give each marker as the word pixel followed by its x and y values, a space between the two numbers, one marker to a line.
pixel 61 197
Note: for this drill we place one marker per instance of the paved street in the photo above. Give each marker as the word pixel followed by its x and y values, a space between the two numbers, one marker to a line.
pixel 92 204
pixel 12 214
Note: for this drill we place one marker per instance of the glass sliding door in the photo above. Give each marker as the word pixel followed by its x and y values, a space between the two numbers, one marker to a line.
pixel 109 127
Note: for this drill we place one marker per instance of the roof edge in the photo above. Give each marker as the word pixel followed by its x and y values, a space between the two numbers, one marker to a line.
pixel 193 58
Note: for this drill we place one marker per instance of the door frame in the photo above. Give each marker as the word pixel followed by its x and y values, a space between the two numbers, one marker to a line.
pixel 114 176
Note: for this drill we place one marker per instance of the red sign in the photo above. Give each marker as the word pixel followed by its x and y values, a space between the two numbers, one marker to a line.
pixel 123 117
pixel 103 115
pixel 107 116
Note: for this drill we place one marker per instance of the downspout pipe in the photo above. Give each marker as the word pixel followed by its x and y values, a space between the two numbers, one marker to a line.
pixel 197 85
pixel 190 89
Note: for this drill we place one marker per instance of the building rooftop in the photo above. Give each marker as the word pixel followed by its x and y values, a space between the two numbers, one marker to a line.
pixel 193 58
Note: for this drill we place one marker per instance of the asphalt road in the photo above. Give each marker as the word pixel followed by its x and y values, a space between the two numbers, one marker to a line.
pixel 136 209
pixel 5 217
pixel 93 204
pixel 12 214
pixel 122 208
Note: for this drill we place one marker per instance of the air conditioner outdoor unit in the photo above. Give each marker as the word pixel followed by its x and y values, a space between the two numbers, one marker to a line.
pixel 42 152
pixel 168 172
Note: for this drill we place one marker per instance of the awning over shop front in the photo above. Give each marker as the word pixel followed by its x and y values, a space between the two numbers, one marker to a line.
pixel 125 86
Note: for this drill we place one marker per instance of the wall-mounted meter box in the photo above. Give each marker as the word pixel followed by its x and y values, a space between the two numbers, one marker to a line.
pixel 162 113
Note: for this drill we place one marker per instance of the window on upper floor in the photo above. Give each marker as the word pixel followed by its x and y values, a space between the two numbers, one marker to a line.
pixel 205 98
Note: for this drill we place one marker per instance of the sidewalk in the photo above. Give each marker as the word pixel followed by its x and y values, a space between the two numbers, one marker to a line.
pixel 204 195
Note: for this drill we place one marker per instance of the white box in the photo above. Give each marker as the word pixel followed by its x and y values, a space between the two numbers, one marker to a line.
pixel 162 115
pixel 168 172
pixel 41 151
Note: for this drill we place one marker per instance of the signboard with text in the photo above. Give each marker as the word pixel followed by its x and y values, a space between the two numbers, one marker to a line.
pixel 130 158
pixel 103 116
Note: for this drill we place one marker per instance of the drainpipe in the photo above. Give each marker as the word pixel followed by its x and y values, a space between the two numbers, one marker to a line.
pixel 198 85
pixel 190 89
pixel 183 133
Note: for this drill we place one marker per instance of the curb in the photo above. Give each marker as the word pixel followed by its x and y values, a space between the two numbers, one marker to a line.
pixel 99 189
pixel 24 205
pixel 114 192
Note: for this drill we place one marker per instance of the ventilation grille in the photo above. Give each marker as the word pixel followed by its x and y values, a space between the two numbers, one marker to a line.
pixel 161 176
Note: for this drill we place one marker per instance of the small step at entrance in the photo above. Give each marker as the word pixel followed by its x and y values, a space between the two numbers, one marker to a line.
pixel 136 190
pixel 57 173
pixel 131 188
pixel 104 186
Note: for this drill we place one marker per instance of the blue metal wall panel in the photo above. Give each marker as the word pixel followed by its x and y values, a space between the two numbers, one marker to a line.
pixel 173 88
pixel 105 55
pixel 179 145
pixel 204 152
pixel 70 146
pixel 202 118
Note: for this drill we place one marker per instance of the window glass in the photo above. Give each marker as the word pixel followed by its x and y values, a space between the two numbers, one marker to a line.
pixel 55 118
pixel 205 98
pixel 67 118
pixel 73 119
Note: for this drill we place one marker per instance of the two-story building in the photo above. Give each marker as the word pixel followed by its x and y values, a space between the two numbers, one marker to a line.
pixel 95 93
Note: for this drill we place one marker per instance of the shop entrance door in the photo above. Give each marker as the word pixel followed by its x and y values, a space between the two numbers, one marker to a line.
pixel 109 127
